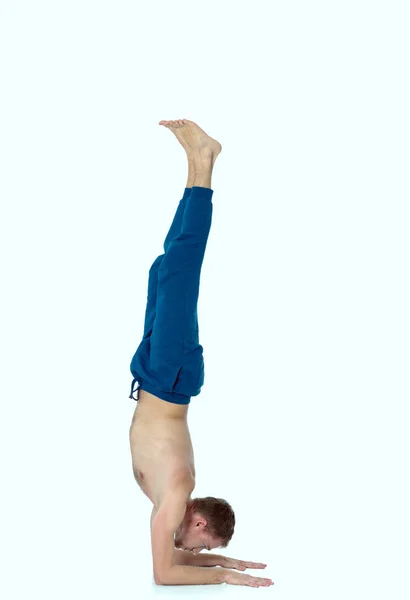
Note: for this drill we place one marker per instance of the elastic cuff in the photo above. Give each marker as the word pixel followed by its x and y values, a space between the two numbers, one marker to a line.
pixel 202 192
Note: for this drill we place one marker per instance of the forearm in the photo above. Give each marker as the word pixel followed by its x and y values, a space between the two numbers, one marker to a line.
pixel 203 560
pixel 182 557
pixel 191 575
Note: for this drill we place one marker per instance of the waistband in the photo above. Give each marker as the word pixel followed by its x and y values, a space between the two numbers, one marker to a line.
pixel 169 397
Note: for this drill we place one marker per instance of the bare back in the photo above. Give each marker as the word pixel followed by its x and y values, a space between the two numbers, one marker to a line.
pixel 161 447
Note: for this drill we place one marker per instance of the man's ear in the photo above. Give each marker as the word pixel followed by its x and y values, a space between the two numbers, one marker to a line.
pixel 199 520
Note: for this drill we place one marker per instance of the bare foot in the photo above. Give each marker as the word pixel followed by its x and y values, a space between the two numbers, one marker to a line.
pixel 193 139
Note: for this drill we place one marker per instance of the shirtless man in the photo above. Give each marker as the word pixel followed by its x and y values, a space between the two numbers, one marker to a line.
pixel 169 368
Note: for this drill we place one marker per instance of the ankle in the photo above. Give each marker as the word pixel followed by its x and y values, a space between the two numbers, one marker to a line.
pixel 201 157
pixel 203 178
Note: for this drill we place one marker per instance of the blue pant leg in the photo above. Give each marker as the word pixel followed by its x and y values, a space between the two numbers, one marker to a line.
pixel 176 359
pixel 150 311
pixel 173 232
pixel 176 224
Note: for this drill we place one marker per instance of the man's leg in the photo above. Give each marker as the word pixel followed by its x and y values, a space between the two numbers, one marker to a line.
pixel 173 345
pixel 174 230
pixel 176 355
pixel 198 174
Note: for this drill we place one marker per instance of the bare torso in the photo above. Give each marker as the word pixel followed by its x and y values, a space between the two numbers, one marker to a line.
pixel 161 447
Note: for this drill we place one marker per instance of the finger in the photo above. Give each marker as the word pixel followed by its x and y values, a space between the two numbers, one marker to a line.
pixel 258 581
pixel 253 565
pixel 263 581
pixel 251 581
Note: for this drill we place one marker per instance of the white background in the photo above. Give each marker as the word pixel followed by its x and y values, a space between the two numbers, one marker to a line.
pixel 302 423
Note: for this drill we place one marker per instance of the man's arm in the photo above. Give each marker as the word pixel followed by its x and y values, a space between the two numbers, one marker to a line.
pixel 163 525
pixel 214 560
pixel 188 575
pixel 226 575
pixel 181 557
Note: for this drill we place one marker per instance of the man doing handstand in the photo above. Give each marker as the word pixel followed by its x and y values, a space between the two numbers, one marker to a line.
pixel 169 369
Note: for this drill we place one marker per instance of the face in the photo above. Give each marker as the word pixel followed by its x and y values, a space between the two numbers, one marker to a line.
pixel 193 537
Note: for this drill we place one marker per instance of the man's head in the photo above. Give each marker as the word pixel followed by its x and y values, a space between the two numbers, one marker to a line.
pixel 208 523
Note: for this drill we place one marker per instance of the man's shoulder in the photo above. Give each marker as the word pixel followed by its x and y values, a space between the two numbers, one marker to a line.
pixel 171 511
pixel 176 494
pixel 178 489
pixel 182 479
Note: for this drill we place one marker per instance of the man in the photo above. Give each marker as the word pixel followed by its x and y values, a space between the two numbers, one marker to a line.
pixel 169 368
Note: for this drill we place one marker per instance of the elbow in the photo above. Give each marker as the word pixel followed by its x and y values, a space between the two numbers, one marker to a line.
pixel 159 578
pixel 166 577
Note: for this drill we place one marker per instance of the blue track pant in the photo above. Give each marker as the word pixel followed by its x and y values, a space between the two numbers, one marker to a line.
pixel 169 359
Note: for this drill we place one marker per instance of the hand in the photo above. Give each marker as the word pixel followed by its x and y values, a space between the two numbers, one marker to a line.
pixel 234 578
pixel 241 565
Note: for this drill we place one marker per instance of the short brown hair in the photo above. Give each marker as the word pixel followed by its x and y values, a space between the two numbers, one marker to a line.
pixel 220 516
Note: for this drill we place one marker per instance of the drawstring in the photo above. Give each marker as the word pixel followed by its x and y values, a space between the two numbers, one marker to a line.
pixel 132 390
